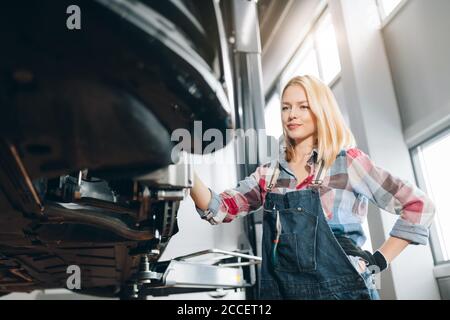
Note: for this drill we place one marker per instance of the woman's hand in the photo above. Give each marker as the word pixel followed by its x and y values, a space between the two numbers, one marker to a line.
pixel 200 193
pixel 381 258
pixel 392 247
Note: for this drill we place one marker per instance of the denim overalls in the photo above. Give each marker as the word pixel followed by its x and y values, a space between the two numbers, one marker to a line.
pixel 301 258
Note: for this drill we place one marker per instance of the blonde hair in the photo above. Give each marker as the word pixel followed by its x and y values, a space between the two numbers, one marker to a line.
pixel 333 135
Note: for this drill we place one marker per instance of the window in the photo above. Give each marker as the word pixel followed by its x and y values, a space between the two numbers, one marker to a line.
pixel 431 162
pixel 387 7
pixel 304 62
pixel 318 54
pixel 327 49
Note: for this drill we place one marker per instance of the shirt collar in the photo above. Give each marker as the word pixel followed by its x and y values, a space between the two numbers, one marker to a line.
pixel 311 160
pixel 313 156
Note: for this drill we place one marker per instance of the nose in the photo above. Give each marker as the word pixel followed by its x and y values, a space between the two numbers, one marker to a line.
pixel 293 113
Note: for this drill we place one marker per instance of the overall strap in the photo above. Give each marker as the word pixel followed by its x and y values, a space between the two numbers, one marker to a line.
pixel 319 174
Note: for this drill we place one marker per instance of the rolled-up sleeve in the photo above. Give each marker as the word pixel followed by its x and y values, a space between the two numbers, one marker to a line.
pixel 236 202
pixel 390 193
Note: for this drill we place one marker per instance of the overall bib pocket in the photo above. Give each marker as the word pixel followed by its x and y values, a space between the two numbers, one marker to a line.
pixel 296 248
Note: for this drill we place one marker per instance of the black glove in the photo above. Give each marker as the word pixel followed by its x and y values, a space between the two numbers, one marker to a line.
pixel 377 262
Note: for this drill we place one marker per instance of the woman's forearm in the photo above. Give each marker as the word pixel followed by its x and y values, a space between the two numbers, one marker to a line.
pixel 392 247
pixel 200 193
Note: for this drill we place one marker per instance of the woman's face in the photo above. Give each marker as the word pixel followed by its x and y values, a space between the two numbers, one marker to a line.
pixel 298 120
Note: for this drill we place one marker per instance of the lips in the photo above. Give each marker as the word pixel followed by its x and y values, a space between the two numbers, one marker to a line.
pixel 293 126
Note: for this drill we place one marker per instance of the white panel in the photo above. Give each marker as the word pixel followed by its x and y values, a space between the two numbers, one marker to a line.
pixel 418 47
pixel 339 94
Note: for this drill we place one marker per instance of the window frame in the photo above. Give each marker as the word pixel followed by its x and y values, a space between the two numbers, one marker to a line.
pixel 415 152
pixel 385 19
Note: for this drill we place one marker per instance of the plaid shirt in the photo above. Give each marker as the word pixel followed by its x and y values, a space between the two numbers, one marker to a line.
pixel 348 185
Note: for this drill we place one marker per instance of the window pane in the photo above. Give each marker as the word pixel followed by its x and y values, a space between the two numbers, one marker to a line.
pixel 434 158
pixel 388 6
pixel 272 115
pixel 309 64
pixel 304 62
pixel 328 50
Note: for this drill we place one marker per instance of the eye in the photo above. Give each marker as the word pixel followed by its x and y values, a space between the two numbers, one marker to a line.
pixel 304 107
pixel 285 108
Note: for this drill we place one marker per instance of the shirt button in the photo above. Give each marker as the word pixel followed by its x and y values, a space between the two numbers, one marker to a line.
pixel 299 209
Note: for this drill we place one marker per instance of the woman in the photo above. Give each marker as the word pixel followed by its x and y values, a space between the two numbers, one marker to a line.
pixel 315 200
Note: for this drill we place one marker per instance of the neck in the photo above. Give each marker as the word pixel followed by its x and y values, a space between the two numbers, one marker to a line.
pixel 303 149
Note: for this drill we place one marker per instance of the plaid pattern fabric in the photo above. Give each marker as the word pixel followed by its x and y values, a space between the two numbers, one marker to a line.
pixel 348 185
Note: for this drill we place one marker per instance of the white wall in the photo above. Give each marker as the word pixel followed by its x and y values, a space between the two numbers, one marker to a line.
pixel 339 94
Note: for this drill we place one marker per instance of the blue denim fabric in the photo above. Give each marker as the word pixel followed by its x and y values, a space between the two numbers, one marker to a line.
pixel 308 262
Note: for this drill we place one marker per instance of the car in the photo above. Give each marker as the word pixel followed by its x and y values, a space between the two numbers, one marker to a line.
pixel 89 176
